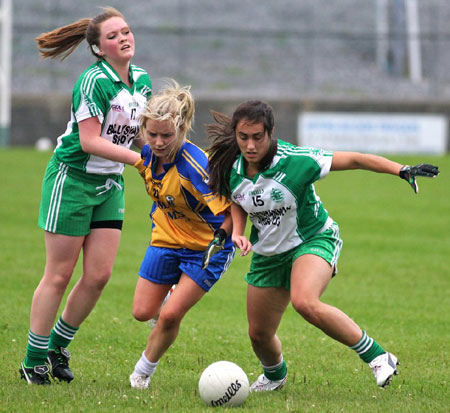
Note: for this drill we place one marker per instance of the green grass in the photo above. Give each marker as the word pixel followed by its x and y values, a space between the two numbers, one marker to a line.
pixel 393 280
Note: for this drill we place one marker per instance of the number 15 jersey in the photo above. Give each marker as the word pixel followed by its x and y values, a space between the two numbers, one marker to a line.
pixel 281 201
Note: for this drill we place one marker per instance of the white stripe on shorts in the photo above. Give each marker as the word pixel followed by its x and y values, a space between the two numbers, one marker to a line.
pixel 55 200
pixel 338 244
pixel 229 259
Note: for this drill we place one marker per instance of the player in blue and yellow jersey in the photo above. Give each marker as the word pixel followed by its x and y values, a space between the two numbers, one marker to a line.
pixel 82 205
pixel 187 221
pixel 182 211
pixel 295 242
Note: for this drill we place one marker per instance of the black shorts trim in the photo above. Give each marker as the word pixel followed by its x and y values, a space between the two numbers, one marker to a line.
pixel 116 224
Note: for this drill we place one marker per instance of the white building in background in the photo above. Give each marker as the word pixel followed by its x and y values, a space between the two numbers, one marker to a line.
pixel 5 70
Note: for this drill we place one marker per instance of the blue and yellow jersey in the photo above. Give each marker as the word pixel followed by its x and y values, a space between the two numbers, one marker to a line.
pixel 185 212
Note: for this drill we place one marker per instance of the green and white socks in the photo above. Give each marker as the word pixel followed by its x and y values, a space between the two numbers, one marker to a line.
pixel 276 372
pixel 367 348
pixel 62 334
pixel 38 346
pixel 37 350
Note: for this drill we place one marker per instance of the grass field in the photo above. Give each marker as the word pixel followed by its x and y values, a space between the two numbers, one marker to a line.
pixel 393 280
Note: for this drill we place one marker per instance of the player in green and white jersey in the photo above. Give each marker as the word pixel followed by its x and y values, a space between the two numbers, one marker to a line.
pixel 82 205
pixel 295 243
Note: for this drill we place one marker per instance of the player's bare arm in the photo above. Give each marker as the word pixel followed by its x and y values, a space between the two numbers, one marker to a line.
pixel 227 224
pixel 239 217
pixel 91 142
pixel 355 160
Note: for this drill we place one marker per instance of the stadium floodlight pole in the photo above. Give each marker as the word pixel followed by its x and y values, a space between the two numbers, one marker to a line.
pixel 382 27
pixel 5 70
pixel 412 26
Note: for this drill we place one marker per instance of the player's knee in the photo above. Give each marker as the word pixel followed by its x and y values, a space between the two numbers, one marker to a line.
pixel 308 309
pixel 57 282
pixel 169 320
pixel 140 315
pixel 259 336
pixel 143 313
pixel 97 281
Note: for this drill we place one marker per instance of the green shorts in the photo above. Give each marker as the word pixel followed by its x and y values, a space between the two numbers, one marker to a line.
pixel 73 202
pixel 275 270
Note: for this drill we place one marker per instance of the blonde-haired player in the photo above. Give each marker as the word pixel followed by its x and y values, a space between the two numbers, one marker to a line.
pixel 187 219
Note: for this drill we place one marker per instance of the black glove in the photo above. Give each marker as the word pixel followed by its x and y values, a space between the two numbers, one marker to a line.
pixel 409 173
pixel 214 246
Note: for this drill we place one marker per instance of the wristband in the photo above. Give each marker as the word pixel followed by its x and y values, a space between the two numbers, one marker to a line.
pixel 221 234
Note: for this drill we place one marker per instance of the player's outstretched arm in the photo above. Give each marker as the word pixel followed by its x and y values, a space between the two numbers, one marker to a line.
pixel 355 160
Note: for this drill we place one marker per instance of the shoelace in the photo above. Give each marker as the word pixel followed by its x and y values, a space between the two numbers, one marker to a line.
pixel 141 380
pixel 261 382
pixel 108 185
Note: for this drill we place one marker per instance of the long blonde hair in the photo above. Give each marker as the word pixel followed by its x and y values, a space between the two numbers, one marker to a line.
pixel 64 40
pixel 175 103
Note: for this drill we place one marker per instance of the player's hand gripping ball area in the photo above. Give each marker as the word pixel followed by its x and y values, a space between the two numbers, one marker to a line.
pixel 223 383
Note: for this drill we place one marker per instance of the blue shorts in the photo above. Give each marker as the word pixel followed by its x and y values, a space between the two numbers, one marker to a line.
pixel 165 265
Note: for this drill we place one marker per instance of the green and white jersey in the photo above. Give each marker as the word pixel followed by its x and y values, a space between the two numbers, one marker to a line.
pixel 281 201
pixel 100 92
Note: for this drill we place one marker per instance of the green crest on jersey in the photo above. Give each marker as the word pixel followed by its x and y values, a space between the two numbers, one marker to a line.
pixel 276 195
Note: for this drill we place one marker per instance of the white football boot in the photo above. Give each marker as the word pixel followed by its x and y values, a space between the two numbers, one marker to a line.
pixel 139 381
pixel 264 384
pixel 384 367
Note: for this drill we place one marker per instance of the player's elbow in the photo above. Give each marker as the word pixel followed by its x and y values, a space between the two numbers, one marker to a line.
pixel 86 145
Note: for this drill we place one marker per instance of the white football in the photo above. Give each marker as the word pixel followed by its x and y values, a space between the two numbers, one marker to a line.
pixel 223 383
